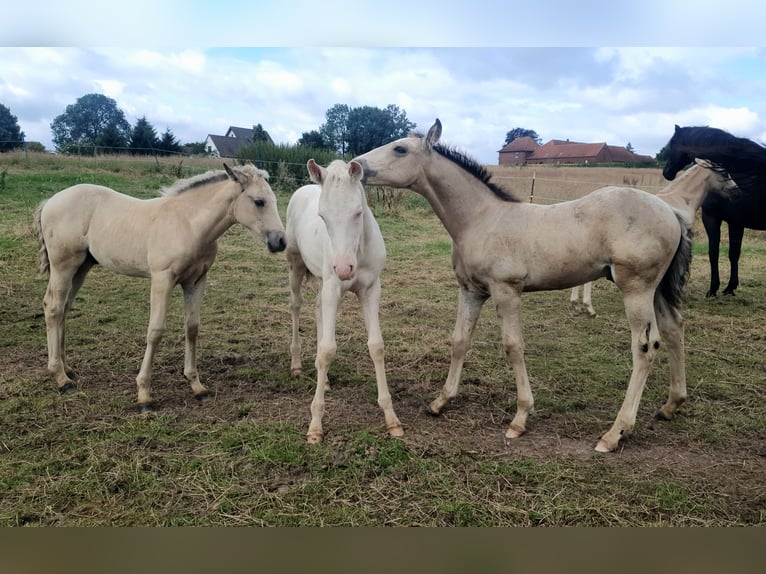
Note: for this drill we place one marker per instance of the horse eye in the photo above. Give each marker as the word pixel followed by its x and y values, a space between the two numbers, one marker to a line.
pixel 400 149
pixel 259 202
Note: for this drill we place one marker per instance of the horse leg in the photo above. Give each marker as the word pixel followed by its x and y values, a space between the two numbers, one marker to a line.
pixel 713 230
pixel 318 318
pixel 193 292
pixel 645 340
pixel 587 289
pixel 370 303
pixel 297 273
pixel 574 298
pixel 77 282
pixel 55 307
pixel 736 233
pixel 161 288
pixel 507 300
pixel 66 277
pixel 671 325
pixel 329 299
pixel 468 310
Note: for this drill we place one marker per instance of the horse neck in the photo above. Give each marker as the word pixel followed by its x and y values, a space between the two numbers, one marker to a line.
pixel 686 194
pixel 210 212
pixel 458 198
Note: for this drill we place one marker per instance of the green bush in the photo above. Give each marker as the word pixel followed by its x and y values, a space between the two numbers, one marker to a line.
pixel 286 164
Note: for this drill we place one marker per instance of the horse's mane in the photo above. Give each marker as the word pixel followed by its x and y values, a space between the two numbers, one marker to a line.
pixel 209 177
pixel 720 145
pixel 471 166
pixel 740 158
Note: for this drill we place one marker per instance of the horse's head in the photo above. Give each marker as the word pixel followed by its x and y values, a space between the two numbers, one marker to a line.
pixel 398 164
pixel 341 207
pixel 678 157
pixel 256 205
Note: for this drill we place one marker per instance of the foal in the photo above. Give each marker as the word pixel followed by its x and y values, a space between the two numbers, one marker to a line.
pixel 171 240
pixel 332 235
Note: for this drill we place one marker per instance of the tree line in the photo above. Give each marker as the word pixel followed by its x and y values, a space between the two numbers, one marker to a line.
pixel 95 121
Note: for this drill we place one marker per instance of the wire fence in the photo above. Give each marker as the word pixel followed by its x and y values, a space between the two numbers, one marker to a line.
pixel 538 189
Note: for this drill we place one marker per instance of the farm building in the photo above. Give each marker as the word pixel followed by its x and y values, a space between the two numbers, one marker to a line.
pixel 235 139
pixel 525 150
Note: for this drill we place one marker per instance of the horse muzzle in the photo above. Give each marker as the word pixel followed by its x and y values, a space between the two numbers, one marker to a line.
pixel 344 267
pixel 275 241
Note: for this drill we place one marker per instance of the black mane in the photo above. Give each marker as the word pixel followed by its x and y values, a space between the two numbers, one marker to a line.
pixel 720 146
pixel 475 169
pixel 743 159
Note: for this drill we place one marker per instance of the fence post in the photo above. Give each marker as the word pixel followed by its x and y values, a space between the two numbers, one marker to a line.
pixel 532 191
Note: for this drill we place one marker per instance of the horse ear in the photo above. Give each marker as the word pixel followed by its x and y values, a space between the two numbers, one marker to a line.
pixel 355 170
pixel 235 174
pixel 434 133
pixel 316 172
pixel 677 128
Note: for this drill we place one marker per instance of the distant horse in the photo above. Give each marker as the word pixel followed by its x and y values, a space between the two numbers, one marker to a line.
pixel 170 239
pixel 685 194
pixel 745 161
pixel 332 235
pixel 503 246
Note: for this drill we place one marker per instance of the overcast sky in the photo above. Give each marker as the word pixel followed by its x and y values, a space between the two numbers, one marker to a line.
pixel 590 71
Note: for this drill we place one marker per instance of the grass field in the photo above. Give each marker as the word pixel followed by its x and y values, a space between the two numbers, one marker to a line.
pixel 90 459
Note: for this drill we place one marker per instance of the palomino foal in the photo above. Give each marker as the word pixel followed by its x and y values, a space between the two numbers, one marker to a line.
pixel 170 239
pixel 332 235
pixel 502 246
pixel 685 194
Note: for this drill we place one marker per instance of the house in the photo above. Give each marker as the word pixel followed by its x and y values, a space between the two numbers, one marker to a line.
pixel 235 139
pixel 526 150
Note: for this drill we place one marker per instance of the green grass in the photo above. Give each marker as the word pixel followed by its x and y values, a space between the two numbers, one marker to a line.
pixel 90 459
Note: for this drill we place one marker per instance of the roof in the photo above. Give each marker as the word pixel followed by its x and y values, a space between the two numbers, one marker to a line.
pixel 558 149
pixel 235 139
pixel 524 143
pixel 228 146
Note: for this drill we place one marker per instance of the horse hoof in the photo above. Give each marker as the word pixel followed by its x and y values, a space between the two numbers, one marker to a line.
pixel 145 408
pixel 71 374
pixel 67 388
pixel 296 372
pixel 396 431
pixel 660 416
pixel 314 437
pixel 514 432
pixel 435 408
pixel 603 446
pixel 203 396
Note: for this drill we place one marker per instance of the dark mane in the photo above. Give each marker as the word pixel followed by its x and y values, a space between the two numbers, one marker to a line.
pixel 720 145
pixel 183 185
pixel 475 169
pixel 743 159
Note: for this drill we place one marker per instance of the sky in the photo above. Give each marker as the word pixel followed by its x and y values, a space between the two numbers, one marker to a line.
pixel 589 71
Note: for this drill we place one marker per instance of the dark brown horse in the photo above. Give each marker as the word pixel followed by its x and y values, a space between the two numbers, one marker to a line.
pixel 743 208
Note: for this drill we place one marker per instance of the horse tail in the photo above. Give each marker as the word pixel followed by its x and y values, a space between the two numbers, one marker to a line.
pixel 44 263
pixel 673 284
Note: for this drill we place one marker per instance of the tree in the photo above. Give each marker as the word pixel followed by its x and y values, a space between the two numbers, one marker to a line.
pixel 402 126
pixel 516 133
pixel 168 143
pixel 260 134
pixel 312 139
pixel 370 127
pixel 629 147
pixel 662 155
pixel 11 135
pixel 144 138
pixel 194 148
pixel 111 139
pixel 84 121
pixel 335 128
